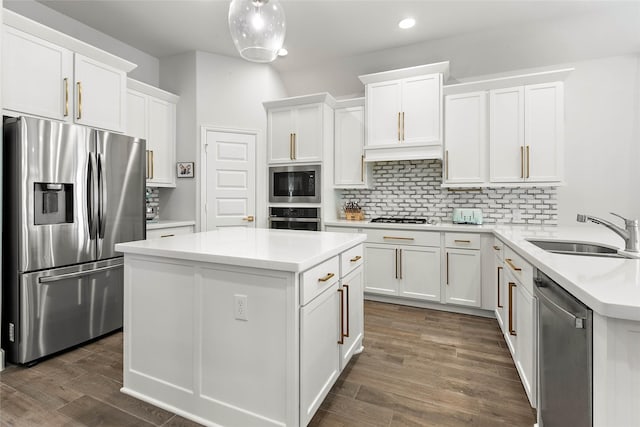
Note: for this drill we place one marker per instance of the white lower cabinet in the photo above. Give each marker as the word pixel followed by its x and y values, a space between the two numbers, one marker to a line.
pixel 319 350
pixel 520 330
pixel 353 320
pixel 403 270
pixel 156 233
pixel 463 273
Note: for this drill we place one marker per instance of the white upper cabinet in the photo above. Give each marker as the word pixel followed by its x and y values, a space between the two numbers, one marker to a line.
pixel 299 128
pixel 100 94
pixel 37 76
pixel 350 170
pixel 526 133
pixel 151 114
pixel 465 138
pixel 404 113
pixel 48 74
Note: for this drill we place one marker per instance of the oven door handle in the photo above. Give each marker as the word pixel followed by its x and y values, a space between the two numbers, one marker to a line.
pixel 282 219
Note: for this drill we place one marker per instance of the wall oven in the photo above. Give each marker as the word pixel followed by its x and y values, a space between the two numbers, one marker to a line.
pixel 294 218
pixel 294 184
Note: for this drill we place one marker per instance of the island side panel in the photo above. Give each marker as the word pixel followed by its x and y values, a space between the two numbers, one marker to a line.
pixel 216 368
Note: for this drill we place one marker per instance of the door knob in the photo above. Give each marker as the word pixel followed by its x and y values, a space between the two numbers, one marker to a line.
pixel 248 218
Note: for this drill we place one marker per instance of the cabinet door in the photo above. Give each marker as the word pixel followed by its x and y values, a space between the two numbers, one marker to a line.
pixel 100 94
pixel 381 269
pixel 526 344
pixel 348 147
pixel 281 128
pixel 308 135
pixel 37 76
pixel 353 315
pixel 463 277
pixel 501 295
pixel 465 134
pixel 544 132
pixel 161 141
pixel 319 350
pixel 506 135
pixel 420 273
pixel 383 113
pixel 421 104
pixel 137 115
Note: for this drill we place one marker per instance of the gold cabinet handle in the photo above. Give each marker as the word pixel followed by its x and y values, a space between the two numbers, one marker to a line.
pixel 341 340
pixel 167 235
pixel 290 146
pixel 521 162
pixel 347 310
pixel 447 269
pixel 399 127
pixel 295 154
pixel 248 218
pixel 512 331
pixel 446 164
pixel 511 264
pixel 497 248
pixel 146 172
pixel 527 161
pixel 66 97
pixel 153 169
pixel 325 278
pixel 396 263
pixel 403 125
pixel 498 285
pixel 462 241
pixel 356 258
pixel 79 85
pixel 398 238
pixel 400 264
pixel 362 170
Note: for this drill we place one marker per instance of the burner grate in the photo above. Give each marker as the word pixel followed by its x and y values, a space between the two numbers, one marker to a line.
pixel 400 220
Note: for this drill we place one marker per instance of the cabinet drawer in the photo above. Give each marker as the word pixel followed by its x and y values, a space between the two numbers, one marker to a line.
pixel 317 279
pixel 522 270
pixel 350 260
pixel 498 248
pixel 157 233
pixel 462 240
pixel 404 237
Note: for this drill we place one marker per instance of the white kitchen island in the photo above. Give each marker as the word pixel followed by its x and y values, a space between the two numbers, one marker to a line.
pixel 241 327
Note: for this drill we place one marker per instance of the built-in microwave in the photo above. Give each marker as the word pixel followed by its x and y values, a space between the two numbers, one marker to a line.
pixel 294 184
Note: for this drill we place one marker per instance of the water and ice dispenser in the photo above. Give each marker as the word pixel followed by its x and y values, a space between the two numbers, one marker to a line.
pixel 53 203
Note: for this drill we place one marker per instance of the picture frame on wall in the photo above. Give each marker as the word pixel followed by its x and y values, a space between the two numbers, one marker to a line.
pixel 185 169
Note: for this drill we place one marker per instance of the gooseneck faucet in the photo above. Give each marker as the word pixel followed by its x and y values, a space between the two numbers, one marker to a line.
pixel 630 234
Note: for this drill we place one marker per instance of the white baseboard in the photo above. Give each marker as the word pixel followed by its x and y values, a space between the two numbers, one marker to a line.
pixel 1 359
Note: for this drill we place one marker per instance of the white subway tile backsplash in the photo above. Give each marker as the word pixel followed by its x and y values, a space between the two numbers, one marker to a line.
pixel 412 188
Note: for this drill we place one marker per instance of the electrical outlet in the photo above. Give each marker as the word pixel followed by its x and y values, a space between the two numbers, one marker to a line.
pixel 240 307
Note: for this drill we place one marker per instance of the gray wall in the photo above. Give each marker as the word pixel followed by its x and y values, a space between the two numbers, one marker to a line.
pixel 148 66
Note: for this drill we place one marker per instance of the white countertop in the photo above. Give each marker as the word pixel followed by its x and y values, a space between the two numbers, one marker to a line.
pixel 282 250
pixel 168 223
pixel 609 286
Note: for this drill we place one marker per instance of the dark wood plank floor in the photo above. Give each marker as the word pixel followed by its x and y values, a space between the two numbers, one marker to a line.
pixel 419 368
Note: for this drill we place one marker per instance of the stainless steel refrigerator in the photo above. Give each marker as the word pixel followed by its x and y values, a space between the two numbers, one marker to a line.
pixel 70 194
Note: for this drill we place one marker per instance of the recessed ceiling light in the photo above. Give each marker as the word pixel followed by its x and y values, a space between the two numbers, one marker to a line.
pixel 283 52
pixel 407 23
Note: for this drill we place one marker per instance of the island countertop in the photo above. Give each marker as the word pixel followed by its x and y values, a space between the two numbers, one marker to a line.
pixel 283 250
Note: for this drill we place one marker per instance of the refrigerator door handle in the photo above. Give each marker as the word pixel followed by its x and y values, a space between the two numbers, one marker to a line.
pixel 92 207
pixel 49 279
pixel 102 191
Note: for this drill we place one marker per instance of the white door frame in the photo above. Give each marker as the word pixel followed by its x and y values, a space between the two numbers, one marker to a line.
pixel 202 175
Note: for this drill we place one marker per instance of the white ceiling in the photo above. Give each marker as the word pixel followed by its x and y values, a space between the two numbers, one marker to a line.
pixel 317 30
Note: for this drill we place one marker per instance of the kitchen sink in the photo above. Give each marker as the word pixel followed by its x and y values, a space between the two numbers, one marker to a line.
pixel 577 248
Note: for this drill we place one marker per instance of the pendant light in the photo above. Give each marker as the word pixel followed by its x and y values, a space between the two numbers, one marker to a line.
pixel 257 28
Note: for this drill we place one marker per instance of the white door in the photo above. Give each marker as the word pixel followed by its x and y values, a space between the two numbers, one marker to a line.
pixel 383 113
pixel 354 320
pixel 463 277
pixel 229 179
pixel 349 142
pixel 381 269
pixel 308 136
pixel 281 123
pixel 162 141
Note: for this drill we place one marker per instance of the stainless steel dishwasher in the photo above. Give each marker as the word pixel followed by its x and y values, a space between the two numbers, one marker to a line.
pixel 565 338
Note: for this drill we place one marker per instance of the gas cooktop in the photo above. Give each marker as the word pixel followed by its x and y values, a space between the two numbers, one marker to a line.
pixel 400 220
